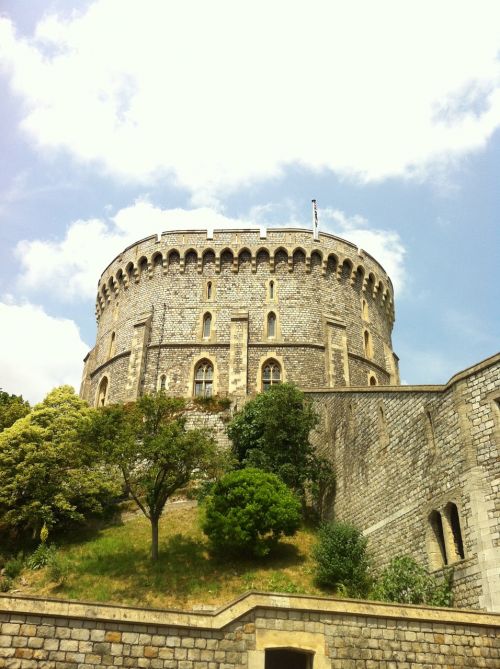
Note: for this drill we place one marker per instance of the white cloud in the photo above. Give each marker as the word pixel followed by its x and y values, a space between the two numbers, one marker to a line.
pixel 220 93
pixel 38 351
pixel 384 245
pixel 70 268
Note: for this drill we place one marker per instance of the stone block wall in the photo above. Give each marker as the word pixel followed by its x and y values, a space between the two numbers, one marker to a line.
pixel 176 279
pixel 336 634
pixel 403 455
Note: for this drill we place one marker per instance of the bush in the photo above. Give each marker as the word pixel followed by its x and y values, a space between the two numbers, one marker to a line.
pixel 58 570
pixel 5 583
pixel 341 560
pixel 14 566
pixel 248 512
pixel 407 582
pixel 41 556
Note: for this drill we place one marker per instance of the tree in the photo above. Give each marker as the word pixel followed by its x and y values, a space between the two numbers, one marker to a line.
pixel 271 432
pixel 12 407
pixel 248 511
pixel 341 560
pixel 407 582
pixel 149 442
pixel 46 475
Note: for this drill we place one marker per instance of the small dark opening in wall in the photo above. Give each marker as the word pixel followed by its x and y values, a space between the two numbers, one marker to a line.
pixel 455 527
pixel 284 658
pixel 437 527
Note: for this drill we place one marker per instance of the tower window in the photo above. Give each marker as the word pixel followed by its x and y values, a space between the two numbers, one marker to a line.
pixel 271 374
pixel 438 548
pixel 271 324
pixel 102 392
pixel 112 345
pixel 373 380
pixel 209 290
pixel 364 310
pixel 454 520
pixel 271 290
pixel 163 382
pixel 203 379
pixel 207 325
pixel 368 344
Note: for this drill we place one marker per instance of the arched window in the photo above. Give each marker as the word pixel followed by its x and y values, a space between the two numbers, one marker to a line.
pixel 112 345
pixel 271 374
pixel 453 518
pixel 163 382
pixel 364 310
pixel 209 290
pixel 102 392
pixel 271 324
pixel 203 379
pixel 207 325
pixel 368 344
pixel 271 290
pixel 437 544
pixel 373 380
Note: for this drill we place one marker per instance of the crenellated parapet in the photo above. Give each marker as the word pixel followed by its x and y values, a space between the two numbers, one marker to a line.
pixel 173 251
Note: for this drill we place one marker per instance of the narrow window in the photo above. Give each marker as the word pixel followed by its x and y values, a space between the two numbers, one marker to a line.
pixel 102 393
pixel 271 290
pixel 271 324
pixel 207 325
pixel 373 380
pixel 438 548
pixel 163 382
pixel 271 374
pixel 364 310
pixel 454 520
pixel 203 379
pixel 368 344
pixel 209 290
pixel 112 345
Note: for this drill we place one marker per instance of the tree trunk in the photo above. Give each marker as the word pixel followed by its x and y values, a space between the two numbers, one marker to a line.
pixel 154 539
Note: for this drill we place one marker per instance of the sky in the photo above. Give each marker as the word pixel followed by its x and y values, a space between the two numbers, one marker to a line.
pixel 122 118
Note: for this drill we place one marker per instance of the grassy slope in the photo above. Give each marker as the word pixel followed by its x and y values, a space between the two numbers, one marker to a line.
pixel 114 566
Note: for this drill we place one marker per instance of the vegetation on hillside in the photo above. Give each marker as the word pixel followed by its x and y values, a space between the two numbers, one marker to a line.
pixel 47 476
pixel 271 433
pixel 156 454
pixel 248 512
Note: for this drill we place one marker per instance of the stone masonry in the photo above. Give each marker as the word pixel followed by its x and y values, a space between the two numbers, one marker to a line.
pixel 333 634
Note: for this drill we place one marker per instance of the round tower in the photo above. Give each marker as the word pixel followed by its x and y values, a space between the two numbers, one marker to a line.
pixel 237 311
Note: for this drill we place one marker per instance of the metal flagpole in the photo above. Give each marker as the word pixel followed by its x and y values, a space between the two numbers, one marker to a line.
pixel 315 221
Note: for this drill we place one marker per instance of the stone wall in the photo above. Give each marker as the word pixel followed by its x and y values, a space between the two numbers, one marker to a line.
pixel 333 306
pixel 336 634
pixel 407 458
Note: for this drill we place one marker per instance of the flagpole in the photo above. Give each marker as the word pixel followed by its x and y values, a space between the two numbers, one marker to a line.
pixel 315 221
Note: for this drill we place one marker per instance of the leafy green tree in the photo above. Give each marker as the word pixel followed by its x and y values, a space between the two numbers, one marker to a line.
pixel 271 433
pixel 408 582
pixel 12 407
pixel 155 452
pixel 46 475
pixel 249 511
pixel 341 559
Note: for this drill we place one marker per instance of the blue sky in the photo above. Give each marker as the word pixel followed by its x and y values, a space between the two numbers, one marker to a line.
pixel 123 118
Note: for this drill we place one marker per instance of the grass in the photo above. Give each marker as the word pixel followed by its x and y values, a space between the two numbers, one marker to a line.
pixel 113 565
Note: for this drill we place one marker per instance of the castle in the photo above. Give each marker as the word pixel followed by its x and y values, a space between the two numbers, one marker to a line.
pixel 232 312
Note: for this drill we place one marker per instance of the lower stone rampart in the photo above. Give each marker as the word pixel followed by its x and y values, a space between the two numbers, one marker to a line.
pixel 417 469
pixel 332 633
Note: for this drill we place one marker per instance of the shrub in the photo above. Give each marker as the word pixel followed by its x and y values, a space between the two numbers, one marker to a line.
pixel 14 566
pixel 58 570
pixel 341 560
pixel 5 583
pixel 407 582
pixel 41 556
pixel 248 512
